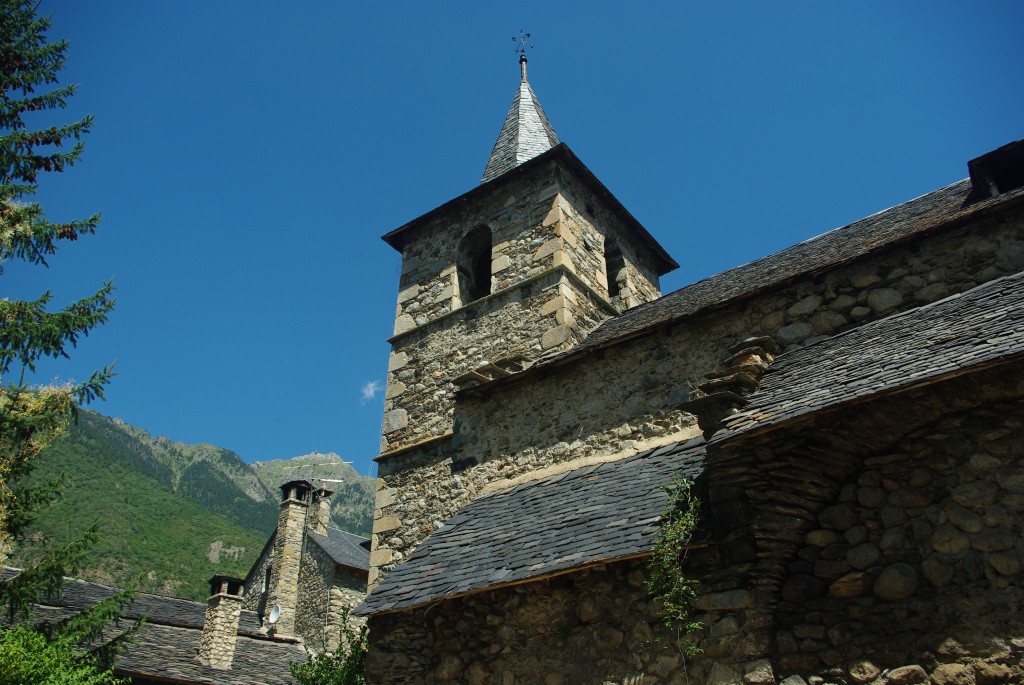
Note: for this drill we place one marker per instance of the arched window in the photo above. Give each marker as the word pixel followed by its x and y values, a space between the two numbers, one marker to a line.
pixel 474 264
pixel 614 268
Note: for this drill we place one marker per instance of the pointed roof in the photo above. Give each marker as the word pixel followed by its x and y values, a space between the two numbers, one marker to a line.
pixel 525 134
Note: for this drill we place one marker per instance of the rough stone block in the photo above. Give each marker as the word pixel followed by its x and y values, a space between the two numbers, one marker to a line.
pixel 385 497
pixel 552 217
pixel 724 601
pixel 759 673
pixel 555 336
pixel 394 420
pixel 379 557
pixel 404 323
pixel 386 523
pixel 409 293
pixel 553 305
pixel 549 248
pixel 395 389
pixel 551 191
pixel 723 674
pixel 896 582
pixel 397 361
pixel 562 258
pixel 501 263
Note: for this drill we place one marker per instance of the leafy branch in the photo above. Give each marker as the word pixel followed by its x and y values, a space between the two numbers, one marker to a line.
pixel 667 581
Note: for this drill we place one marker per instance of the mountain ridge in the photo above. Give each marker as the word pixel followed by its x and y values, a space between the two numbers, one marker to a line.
pixel 172 514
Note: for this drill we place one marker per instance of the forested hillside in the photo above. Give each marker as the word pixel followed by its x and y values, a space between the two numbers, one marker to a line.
pixel 171 514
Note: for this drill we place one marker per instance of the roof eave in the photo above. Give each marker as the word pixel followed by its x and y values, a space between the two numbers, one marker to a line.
pixel 561 152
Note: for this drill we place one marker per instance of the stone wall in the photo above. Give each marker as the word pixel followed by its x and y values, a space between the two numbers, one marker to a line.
pixel 624 399
pixel 596 626
pixel 910 573
pixel 255 589
pixel 312 609
pixel 347 592
pixel 549 311
pixel 917 562
pixel 549 286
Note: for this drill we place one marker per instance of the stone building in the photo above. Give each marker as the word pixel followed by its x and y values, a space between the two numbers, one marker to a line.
pixel 296 597
pixel 851 410
pixel 312 573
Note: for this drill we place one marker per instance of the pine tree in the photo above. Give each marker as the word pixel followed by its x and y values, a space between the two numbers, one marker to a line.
pixel 31 417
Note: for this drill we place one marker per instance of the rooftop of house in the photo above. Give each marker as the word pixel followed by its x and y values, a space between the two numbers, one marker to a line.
pixel 979 327
pixel 591 515
pixel 344 548
pixel 166 645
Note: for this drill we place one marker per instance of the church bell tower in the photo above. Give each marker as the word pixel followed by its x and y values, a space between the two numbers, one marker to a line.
pixel 520 267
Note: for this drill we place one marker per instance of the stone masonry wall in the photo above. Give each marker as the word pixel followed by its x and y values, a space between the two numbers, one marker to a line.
pixel 347 592
pixel 625 399
pixel 596 626
pixel 918 563
pixel 419 400
pixel 548 289
pixel 254 595
pixel 312 610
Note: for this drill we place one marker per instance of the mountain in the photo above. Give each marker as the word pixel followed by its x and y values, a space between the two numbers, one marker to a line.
pixel 352 501
pixel 173 514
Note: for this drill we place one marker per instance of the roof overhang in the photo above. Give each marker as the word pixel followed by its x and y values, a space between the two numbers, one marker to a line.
pixel 560 154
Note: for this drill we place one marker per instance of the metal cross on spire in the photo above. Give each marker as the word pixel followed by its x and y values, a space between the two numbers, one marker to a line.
pixel 522 42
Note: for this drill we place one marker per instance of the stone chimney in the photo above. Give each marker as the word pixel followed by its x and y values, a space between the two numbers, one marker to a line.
pixel 320 511
pixel 220 628
pixel 287 556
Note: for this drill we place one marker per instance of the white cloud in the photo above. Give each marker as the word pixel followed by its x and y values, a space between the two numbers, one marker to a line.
pixel 370 391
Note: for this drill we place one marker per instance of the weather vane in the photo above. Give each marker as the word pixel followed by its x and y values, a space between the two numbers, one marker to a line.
pixel 522 42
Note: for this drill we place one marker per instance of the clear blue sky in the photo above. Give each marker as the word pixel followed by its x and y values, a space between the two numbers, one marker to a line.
pixel 248 155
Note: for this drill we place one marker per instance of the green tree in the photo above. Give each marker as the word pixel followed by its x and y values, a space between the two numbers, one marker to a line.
pixel 345 666
pixel 30 418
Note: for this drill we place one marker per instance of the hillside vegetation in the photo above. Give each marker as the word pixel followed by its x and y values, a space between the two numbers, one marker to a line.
pixel 172 515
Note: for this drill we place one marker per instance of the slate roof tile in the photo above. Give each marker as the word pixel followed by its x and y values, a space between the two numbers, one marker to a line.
pixel 166 645
pixel 346 549
pixel 585 516
pixel 982 325
pixel 826 251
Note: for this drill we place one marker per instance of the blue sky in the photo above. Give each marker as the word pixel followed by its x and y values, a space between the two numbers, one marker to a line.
pixel 247 156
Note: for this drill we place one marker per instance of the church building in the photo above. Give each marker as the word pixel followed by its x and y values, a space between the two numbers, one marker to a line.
pixel 850 412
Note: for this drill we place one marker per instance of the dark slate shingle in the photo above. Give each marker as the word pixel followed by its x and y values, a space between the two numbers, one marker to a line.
pixel 346 549
pixel 826 251
pixel 982 325
pixel 586 516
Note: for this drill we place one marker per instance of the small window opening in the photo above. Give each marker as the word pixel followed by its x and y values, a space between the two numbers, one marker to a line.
pixel 614 268
pixel 474 264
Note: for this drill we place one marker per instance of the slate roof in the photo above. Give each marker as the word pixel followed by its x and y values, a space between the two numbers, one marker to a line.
pixel 346 549
pixel 590 515
pixel 168 642
pixel 525 134
pixel 824 252
pixel 983 325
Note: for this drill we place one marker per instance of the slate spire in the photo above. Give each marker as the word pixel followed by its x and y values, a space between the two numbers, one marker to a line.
pixel 525 134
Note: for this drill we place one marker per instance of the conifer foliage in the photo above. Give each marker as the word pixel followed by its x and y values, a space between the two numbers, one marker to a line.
pixel 30 417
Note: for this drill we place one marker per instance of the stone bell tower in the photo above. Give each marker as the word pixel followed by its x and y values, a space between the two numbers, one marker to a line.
pixel 523 265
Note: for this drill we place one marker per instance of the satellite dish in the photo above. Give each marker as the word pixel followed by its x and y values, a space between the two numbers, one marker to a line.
pixel 275 614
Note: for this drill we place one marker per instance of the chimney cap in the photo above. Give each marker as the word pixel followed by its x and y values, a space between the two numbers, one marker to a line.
pixel 230 585
pixel 998 171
